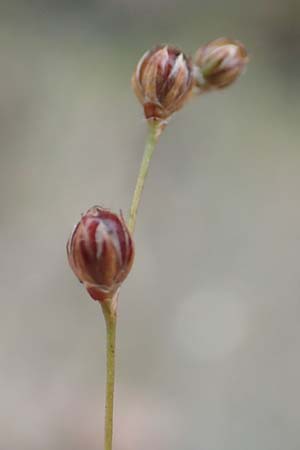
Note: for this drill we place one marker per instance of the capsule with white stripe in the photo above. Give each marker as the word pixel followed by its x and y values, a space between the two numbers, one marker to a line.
pixel 163 81
pixel 219 63
pixel 101 252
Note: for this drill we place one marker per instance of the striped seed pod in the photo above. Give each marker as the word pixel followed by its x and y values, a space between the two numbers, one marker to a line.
pixel 101 252
pixel 219 63
pixel 163 81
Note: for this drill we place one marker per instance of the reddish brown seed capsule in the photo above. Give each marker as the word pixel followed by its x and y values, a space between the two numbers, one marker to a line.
pixel 219 63
pixel 101 252
pixel 162 81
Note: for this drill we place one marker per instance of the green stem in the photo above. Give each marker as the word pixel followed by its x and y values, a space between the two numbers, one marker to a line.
pixel 109 307
pixel 110 315
pixel 155 129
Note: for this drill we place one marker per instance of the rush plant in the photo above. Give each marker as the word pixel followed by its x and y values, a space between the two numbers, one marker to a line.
pixel 101 249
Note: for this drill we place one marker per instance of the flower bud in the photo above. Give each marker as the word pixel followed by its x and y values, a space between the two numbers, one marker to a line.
pixel 220 62
pixel 162 81
pixel 101 252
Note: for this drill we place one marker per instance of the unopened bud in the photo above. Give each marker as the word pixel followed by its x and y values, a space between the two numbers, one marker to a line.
pixel 162 81
pixel 101 252
pixel 219 63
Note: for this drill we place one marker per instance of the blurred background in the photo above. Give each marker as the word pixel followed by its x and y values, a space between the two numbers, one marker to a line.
pixel 208 341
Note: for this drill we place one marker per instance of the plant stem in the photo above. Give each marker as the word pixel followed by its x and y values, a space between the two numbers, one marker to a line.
pixel 109 307
pixel 110 315
pixel 155 129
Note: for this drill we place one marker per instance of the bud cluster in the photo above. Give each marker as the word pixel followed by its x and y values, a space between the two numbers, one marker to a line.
pixel 165 78
pixel 101 252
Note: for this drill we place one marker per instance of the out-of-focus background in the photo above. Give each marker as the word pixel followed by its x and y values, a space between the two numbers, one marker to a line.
pixel 209 336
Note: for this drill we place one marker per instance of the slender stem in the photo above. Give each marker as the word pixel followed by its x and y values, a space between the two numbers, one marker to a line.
pixel 155 129
pixel 109 307
pixel 110 315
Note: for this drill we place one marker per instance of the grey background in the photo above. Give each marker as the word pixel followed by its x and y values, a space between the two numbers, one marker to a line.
pixel 208 339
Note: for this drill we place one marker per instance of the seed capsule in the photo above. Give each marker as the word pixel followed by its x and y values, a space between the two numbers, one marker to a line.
pixel 163 81
pixel 100 252
pixel 219 63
